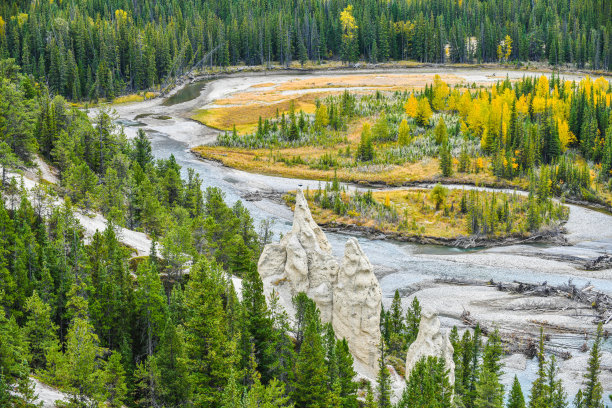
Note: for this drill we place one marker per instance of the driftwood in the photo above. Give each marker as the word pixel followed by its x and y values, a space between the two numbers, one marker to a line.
pixel 516 341
pixel 600 302
pixel 519 341
pixel 588 295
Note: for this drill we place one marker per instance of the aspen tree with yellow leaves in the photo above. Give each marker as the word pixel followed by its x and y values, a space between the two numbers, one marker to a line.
pixel 349 30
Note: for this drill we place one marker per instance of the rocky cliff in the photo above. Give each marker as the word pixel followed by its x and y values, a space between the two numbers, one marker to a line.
pixel 348 295
pixel 430 342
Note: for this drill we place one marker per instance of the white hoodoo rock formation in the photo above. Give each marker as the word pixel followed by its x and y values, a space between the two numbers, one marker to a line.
pixel 430 342
pixel 348 296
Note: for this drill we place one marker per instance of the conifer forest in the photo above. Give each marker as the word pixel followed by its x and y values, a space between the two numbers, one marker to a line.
pixel 306 203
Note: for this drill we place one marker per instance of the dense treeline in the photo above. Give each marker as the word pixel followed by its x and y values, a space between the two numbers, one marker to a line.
pixel 79 317
pixel 100 170
pixel 93 48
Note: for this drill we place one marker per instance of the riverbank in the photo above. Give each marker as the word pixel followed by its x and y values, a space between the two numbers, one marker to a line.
pixel 411 174
pixel 335 66
pixel 552 236
pixel 439 216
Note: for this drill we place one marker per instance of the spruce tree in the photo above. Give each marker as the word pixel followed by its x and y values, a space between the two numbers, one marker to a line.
pixel 210 352
pixel 142 149
pixel 446 159
pixel 556 397
pixel 310 387
pixel 232 392
pixel 403 133
pixel 516 398
pixel 346 374
pixel 440 132
pixel 258 322
pixel 471 375
pixel 78 370
pixel 370 402
pixel 593 390
pixel 428 385
pixel 14 355
pixel 282 344
pixel 151 304
pixel 383 380
pixel 397 326
pixel 365 151
pixel 40 330
pixel 413 320
pixel 489 390
pixel 113 380
pixel 173 383
pixel 538 395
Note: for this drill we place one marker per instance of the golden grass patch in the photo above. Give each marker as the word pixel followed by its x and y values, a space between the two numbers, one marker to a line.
pixel 264 85
pixel 131 98
pixel 128 99
pixel 376 81
pixel 245 118
pixel 265 161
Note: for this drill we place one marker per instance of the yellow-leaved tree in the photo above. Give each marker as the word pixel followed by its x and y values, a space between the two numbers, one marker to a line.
pixel 349 29
pixel 411 106
pixel 403 133
pixel 543 87
pixel 504 49
pixel 440 92
pixel 424 112
pixel 565 135
pixel 507 47
pixel 121 16
pixel 321 117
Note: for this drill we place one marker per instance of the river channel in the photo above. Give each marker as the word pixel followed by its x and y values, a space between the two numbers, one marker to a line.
pixel 403 266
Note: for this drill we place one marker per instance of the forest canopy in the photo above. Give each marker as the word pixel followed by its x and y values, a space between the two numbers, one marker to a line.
pixel 93 48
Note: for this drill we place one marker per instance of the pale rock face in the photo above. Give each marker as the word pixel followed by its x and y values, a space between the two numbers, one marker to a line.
pixel 430 342
pixel 348 296
pixel 357 304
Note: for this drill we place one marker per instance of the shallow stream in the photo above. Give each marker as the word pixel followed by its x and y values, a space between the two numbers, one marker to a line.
pixel 397 265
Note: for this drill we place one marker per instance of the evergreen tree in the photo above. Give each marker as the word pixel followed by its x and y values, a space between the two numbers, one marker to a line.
pixel 173 382
pixel 365 150
pixel 397 327
pixel 538 397
pixel 310 383
pixel 14 356
pixel 446 160
pixel 210 353
pixel 232 392
pixel 489 390
pixel 383 380
pixel 556 394
pixel 440 132
pixel 40 330
pixel 347 387
pixel 428 385
pixel 593 391
pixel 114 382
pixel 369 399
pixel 142 149
pixel 516 399
pixel 78 370
pixel 413 320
